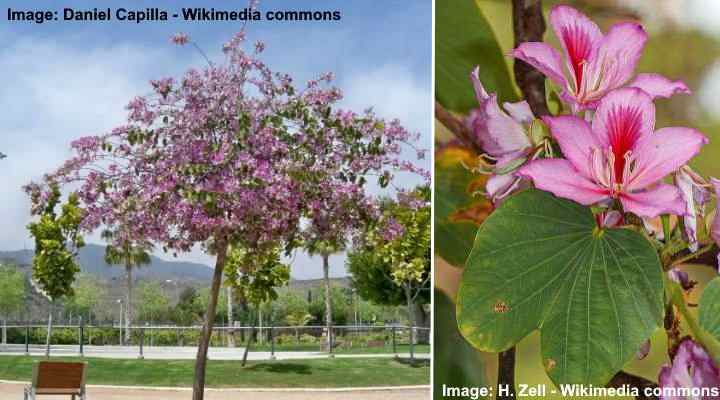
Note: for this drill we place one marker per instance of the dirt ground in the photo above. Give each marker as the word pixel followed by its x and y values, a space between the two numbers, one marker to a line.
pixel 14 391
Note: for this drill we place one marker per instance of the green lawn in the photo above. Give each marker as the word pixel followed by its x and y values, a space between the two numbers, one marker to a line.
pixel 335 372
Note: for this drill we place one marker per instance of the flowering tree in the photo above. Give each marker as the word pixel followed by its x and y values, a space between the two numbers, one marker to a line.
pixel 594 208
pixel 229 154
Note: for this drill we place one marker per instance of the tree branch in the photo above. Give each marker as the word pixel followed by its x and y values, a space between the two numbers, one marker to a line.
pixel 456 126
pixel 529 26
pixel 708 256
pixel 506 373
pixel 625 378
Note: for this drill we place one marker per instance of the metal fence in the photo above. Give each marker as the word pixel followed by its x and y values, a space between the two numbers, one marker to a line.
pixel 345 339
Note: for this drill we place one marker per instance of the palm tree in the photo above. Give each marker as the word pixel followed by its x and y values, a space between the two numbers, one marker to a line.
pixel 325 248
pixel 131 256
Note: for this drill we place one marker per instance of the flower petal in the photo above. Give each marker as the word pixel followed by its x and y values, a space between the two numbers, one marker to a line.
pixel 543 58
pixel 520 111
pixel 578 35
pixel 558 176
pixel 480 93
pixel 617 56
pixel 657 85
pixel 504 135
pixel 623 118
pixel 576 140
pixel 500 186
pixel 661 199
pixel 662 153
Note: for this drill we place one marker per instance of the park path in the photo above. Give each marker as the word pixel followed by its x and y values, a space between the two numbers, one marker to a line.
pixel 12 391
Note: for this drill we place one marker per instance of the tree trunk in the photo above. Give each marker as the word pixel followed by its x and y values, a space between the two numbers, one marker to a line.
pixel 231 321
pixel 201 359
pixel 328 302
pixel 128 302
pixel 422 320
pixel 411 321
pixel 49 331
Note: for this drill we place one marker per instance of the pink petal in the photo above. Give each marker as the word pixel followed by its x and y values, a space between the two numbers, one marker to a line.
pixel 480 93
pixel 543 58
pixel 500 186
pixel 657 85
pixel 660 199
pixel 578 35
pixel 504 135
pixel 618 55
pixel 715 227
pixel 520 111
pixel 623 118
pixel 662 153
pixel 560 178
pixel 576 140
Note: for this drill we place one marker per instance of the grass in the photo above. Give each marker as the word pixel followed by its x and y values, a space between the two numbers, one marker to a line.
pixel 326 373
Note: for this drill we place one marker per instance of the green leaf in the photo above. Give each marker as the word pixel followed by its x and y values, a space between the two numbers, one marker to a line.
pixel 456 362
pixel 453 236
pixel 539 262
pixel 709 313
pixel 463 40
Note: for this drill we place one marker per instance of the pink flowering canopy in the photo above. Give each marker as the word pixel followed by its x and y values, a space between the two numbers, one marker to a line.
pixel 595 210
pixel 231 150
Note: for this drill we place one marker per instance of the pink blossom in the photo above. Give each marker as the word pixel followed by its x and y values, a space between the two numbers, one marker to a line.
pixel 180 38
pixel 715 227
pixel 692 368
pixel 618 157
pixel 692 188
pixel 594 63
pixel 502 135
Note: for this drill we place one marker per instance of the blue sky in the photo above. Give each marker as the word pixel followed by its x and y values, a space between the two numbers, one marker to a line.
pixel 62 80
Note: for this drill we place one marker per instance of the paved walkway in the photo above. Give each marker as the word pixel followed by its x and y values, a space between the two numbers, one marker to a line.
pixel 15 391
pixel 179 353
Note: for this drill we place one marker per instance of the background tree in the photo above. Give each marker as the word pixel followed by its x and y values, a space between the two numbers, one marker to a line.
pixel 87 296
pixel 129 255
pixel 293 309
pixel 152 304
pixel 188 310
pixel 339 301
pixel 402 239
pixel 12 293
pixel 57 242
pixel 325 248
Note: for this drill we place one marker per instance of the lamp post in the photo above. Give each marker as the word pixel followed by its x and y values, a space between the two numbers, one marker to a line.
pixel 122 341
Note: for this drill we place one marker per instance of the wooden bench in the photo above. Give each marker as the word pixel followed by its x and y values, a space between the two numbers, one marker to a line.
pixel 51 378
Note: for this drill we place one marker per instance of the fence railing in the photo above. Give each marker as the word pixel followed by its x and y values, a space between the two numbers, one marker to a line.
pixel 344 339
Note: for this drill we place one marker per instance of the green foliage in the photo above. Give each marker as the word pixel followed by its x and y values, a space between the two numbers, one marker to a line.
pixel 709 314
pixel 540 262
pixel 87 296
pixel 371 276
pixel 127 255
pixel 464 39
pixel 152 302
pixel 456 362
pixel 339 303
pixel 57 240
pixel 12 290
pixel 189 309
pixel 292 309
pixel 256 273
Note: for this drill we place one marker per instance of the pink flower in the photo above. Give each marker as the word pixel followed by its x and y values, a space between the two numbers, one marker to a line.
pixel 180 38
pixel 502 135
pixel 715 227
pixel 692 187
pixel 595 63
pixel 618 157
pixel 692 368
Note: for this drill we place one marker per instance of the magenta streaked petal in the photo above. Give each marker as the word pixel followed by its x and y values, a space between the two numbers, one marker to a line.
pixel 695 196
pixel 662 153
pixel 623 118
pixel 618 54
pixel 660 199
pixel 657 85
pixel 579 37
pixel 576 140
pixel 500 186
pixel 542 57
pixel 520 111
pixel 559 177
pixel 692 368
